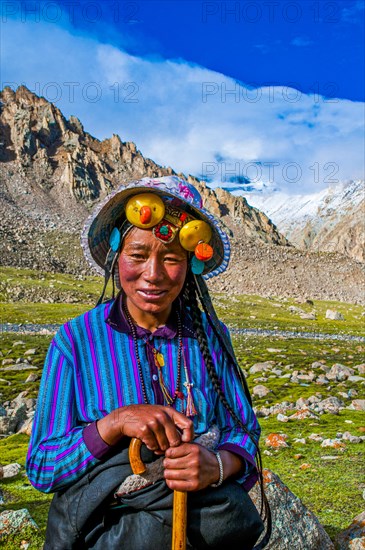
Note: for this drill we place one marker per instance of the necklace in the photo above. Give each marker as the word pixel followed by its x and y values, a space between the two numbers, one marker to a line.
pixel 159 362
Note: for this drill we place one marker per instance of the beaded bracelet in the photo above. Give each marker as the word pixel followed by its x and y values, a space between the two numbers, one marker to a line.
pixel 220 464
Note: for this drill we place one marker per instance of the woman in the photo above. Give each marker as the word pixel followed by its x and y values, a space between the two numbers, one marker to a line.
pixel 149 365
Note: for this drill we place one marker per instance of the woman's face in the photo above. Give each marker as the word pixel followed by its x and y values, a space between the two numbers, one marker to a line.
pixel 151 273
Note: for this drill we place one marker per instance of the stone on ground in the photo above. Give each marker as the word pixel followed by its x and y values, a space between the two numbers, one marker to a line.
pixel 14 521
pixel 353 538
pixel 294 526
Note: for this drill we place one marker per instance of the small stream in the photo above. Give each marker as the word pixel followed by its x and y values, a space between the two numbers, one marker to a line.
pixel 49 329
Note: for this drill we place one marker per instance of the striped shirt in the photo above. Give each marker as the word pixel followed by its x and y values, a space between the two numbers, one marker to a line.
pixel 91 369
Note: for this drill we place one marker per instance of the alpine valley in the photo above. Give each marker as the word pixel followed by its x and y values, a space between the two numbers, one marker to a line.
pixel 53 172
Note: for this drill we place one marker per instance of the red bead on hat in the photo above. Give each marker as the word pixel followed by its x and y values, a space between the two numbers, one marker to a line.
pixel 203 252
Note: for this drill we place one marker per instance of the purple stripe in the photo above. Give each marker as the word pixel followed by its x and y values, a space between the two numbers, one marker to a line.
pixel 114 360
pixel 67 451
pixel 55 393
pixel 77 371
pixel 74 470
pixel 171 367
pixel 94 360
pixel 132 355
pixel 48 447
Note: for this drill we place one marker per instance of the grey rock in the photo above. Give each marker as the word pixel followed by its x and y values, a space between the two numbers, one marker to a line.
pixel 4 425
pixel 294 526
pixel 30 403
pixel 360 368
pixel 260 391
pixel 32 378
pixel 351 438
pixel 14 521
pixel 317 365
pixel 357 405
pixel 315 437
pixel 20 366
pixel 308 316
pixel 17 417
pixel 334 315
pixel 331 405
pixel 30 351
pixel 7 361
pixel 352 538
pixel 322 380
pixel 356 378
pixel 18 343
pixel 11 470
pixel 334 443
pixel 261 367
pixel 19 399
pixel 301 402
pixel 26 426
pixel 339 372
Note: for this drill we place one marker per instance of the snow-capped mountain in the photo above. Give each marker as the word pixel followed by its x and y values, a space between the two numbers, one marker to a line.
pixel 332 220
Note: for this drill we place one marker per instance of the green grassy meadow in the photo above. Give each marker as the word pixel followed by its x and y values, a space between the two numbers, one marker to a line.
pixel 331 488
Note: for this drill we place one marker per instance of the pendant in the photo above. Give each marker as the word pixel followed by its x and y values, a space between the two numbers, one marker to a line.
pixel 159 359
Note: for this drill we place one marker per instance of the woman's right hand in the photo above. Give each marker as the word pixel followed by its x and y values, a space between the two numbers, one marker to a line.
pixel 157 426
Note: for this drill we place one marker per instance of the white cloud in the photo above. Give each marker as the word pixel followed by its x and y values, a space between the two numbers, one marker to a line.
pixel 196 120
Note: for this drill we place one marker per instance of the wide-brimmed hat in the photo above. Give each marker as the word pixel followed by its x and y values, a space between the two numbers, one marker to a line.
pixel 107 214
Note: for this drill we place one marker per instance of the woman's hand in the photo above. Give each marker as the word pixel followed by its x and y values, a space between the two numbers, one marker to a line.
pixel 157 426
pixel 191 467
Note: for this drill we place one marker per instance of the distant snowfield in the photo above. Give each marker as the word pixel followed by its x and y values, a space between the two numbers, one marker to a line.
pixel 284 209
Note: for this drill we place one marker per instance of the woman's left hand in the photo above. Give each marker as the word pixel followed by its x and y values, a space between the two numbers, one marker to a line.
pixel 191 467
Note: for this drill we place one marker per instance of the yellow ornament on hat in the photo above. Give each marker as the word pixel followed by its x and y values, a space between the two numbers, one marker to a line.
pixel 145 210
pixel 193 233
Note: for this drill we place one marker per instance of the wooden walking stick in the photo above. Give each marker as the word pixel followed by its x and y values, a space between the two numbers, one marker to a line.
pixel 179 511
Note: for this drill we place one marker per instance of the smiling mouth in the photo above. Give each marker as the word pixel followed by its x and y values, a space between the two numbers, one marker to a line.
pixel 151 293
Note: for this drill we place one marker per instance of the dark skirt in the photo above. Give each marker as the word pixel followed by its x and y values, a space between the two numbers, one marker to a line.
pixel 82 517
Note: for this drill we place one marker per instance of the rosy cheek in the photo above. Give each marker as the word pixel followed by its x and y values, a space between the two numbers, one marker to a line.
pixel 128 270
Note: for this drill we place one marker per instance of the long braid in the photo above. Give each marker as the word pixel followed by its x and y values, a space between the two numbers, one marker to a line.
pixel 203 344
pixel 191 294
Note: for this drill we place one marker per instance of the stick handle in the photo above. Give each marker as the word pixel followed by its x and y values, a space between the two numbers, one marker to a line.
pixel 179 515
pixel 134 453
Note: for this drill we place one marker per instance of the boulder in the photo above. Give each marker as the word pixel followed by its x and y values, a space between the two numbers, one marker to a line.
pixel 4 425
pixel 14 521
pixel 261 367
pixel 339 372
pixel 260 391
pixel 11 470
pixel 353 538
pixel 357 405
pixel 331 405
pixel 276 441
pixel 334 315
pixel 294 526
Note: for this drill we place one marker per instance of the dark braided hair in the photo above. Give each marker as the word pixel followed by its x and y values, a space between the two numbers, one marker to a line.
pixel 190 292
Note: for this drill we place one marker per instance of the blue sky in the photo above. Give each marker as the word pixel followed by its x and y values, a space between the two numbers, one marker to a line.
pixel 269 91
